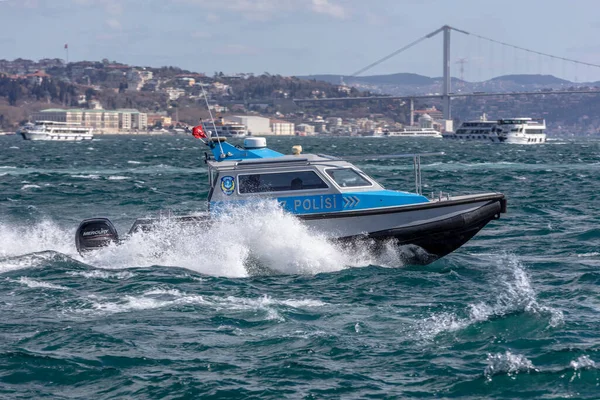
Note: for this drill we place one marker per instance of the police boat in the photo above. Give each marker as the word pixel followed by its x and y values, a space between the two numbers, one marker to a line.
pixel 330 195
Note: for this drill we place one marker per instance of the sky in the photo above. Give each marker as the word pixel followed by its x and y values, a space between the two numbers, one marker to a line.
pixel 302 37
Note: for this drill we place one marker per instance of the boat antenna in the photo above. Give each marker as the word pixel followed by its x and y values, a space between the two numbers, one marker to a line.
pixel 212 119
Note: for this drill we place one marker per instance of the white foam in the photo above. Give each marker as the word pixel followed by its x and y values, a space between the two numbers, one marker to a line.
pixel 583 362
pixel 254 240
pixel 592 254
pixel 160 297
pixel 251 240
pixel 117 178
pixel 32 283
pixel 25 187
pixel 507 363
pixel 19 241
pixel 91 176
pixel 99 274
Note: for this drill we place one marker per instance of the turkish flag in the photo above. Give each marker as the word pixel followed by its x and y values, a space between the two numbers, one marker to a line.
pixel 198 132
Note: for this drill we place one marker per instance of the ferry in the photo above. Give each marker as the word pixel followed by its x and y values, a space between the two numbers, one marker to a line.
pixel 52 130
pixel 413 132
pixel 510 130
pixel 521 131
pixel 225 129
pixel 424 129
pixel 482 130
pixel 330 195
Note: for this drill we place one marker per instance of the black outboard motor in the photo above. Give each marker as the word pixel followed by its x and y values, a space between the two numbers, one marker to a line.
pixel 94 233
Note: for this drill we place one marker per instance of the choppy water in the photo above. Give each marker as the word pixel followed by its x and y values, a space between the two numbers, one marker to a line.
pixel 260 307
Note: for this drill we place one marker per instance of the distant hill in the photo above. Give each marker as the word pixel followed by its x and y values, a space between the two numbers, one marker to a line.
pixel 392 79
pixel 421 80
pixel 524 79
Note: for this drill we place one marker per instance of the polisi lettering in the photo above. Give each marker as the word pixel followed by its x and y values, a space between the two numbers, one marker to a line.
pixel 316 203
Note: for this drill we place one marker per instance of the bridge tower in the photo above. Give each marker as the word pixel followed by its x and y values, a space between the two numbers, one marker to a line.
pixel 446 68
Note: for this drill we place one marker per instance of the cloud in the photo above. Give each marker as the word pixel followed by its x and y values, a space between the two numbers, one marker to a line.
pixel 328 8
pixel 267 9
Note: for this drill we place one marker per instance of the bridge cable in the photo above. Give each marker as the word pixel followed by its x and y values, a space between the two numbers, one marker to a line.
pixel 360 71
pixel 537 52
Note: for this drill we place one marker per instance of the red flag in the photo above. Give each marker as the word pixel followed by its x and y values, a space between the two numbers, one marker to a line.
pixel 66 45
pixel 198 132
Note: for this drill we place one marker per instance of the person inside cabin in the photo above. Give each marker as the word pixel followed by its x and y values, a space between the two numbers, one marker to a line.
pixel 296 184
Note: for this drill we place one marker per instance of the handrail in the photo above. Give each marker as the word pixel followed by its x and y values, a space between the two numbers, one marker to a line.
pixel 416 163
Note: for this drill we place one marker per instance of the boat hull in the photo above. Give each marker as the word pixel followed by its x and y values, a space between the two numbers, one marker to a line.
pixel 438 227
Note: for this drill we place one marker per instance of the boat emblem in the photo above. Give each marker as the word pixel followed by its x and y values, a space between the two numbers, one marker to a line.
pixel 227 185
pixel 351 201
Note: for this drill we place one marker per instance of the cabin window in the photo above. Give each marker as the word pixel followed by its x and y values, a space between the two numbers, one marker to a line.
pixel 280 182
pixel 347 177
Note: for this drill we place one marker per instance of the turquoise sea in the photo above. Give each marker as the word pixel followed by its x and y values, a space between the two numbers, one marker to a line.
pixel 515 313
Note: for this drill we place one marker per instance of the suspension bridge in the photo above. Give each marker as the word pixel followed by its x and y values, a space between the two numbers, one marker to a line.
pixel 446 94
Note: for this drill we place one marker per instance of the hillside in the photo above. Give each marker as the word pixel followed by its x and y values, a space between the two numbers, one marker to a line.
pixel 405 84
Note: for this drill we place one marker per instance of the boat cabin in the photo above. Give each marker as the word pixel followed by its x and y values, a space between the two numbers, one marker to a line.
pixel 301 183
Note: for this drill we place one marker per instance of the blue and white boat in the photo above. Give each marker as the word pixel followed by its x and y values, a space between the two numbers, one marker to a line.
pixel 331 196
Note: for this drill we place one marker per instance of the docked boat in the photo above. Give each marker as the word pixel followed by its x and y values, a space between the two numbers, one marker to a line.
pixel 220 128
pixel 52 130
pixel 330 195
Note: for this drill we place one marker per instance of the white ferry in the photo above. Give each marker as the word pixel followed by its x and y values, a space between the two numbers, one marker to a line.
pixel 413 131
pixel 521 131
pixel 425 129
pixel 52 130
pixel 510 130
pixel 225 129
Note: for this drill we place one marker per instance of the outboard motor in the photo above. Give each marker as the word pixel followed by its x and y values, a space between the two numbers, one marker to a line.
pixel 94 233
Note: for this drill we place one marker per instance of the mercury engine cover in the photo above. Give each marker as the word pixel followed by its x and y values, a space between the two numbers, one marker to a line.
pixel 94 233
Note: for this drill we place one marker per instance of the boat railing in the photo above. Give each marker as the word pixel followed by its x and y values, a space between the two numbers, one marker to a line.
pixel 416 163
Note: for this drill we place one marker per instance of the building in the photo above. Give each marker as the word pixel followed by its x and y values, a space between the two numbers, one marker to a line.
pixel 174 93
pixel 256 125
pixel 281 127
pixel 103 121
pixel 306 129
pixel 433 113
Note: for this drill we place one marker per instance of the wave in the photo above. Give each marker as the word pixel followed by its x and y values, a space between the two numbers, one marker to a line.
pixel 511 292
pixel 159 297
pixel 507 364
pixel 32 283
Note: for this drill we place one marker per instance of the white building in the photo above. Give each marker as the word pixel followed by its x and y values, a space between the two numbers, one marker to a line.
pixel 306 128
pixel 103 121
pixel 281 127
pixel 425 121
pixel 256 125
pixel 174 93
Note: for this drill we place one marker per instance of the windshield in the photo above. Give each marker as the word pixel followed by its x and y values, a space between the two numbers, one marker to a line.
pixel 347 177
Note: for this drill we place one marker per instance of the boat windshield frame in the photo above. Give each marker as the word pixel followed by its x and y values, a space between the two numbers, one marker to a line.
pixel 358 172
